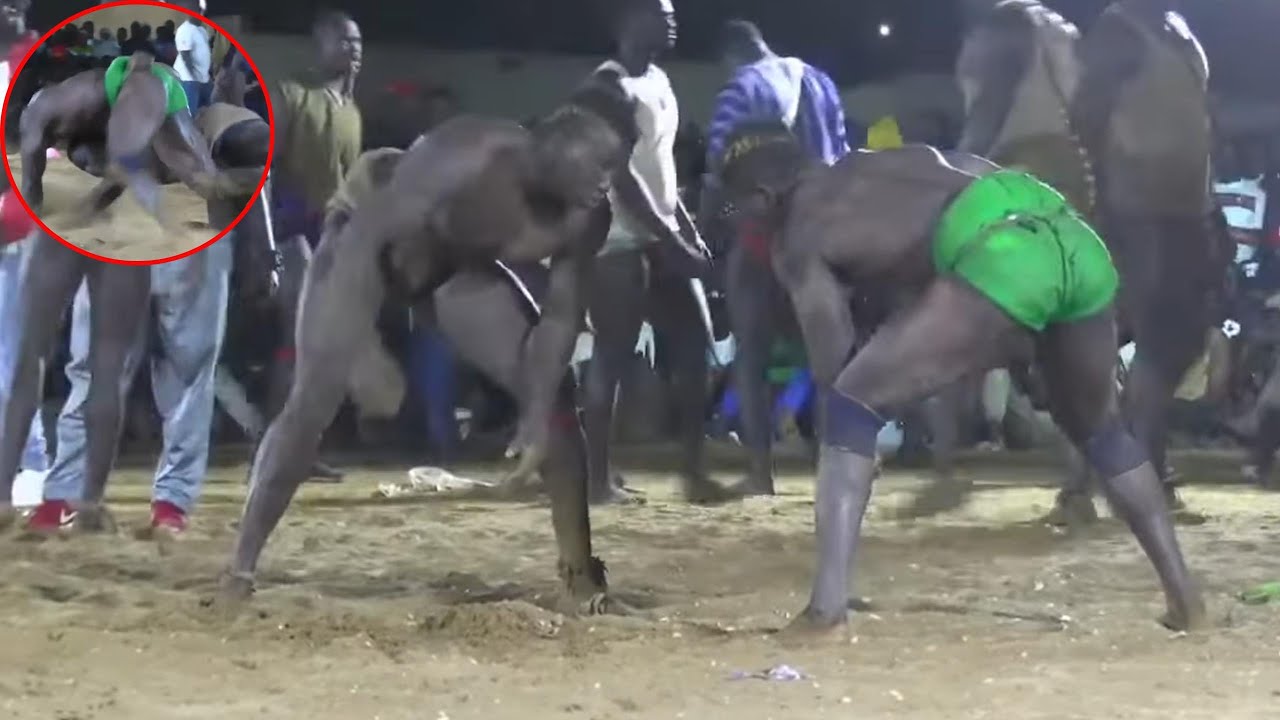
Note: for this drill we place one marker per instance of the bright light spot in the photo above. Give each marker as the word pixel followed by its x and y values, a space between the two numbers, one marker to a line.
pixel 885 30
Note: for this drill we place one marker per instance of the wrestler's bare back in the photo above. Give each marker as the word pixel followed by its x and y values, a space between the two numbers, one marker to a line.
pixel 885 205
pixel 465 193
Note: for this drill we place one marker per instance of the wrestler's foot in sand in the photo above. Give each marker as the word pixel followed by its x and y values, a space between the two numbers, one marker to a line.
pixel 325 474
pixel 813 627
pixel 585 592
pixel 1187 615
pixel 234 592
pixel 1072 510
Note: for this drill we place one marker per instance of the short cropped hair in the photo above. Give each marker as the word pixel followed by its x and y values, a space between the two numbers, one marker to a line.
pixel 327 20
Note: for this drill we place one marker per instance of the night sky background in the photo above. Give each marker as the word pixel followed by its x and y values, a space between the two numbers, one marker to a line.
pixel 839 35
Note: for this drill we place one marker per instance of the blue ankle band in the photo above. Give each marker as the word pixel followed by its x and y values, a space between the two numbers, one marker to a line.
pixel 1113 450
pixel 849 425
pixel 133 163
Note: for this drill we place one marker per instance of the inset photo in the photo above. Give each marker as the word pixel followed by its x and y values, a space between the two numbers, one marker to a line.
pixel 126 133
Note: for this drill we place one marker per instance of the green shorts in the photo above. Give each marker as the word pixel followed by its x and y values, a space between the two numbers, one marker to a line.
pixel 175 96
pixel 1020 243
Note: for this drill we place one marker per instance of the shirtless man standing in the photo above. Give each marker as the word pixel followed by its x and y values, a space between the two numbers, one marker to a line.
pixel 474 191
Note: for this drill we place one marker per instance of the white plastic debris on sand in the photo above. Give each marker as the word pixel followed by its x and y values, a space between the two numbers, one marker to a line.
pixel 430 480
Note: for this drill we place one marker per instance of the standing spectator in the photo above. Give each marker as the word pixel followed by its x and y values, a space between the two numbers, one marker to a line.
pixel 194 57
pixel 106 46
pixel 318 139
pixel 166 46
pixel 137 41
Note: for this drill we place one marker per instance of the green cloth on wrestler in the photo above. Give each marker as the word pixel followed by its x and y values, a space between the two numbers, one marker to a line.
pixel 175 96
pixel 1020 243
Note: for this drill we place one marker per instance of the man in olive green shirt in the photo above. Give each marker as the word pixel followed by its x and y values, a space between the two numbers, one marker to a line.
pixel 318 136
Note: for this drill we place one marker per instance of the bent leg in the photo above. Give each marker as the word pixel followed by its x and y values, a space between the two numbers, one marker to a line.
pixel 1079 364
pixel 486 324
pixel 340 301
pixel 950 332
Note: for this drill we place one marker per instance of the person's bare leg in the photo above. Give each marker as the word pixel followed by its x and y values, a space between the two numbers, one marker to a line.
pixel 340 300
pixel 616 303
pixel 50 275
pixel 676 317
pixel 1078 361
pixel 951 331
pixel 752 304
pixel 941 412
pixel 486 325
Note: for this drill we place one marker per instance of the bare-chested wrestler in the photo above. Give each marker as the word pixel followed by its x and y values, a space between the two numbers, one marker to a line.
pixel 989 263
pixel 318 137
pixel 474 191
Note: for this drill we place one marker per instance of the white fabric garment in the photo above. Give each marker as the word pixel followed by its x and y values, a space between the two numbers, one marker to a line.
pixel 786 76
pixel 193 39
pixel 653 160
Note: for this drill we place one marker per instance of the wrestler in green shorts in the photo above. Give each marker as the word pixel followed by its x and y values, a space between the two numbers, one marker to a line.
pixel 175 96
pixel 1021 244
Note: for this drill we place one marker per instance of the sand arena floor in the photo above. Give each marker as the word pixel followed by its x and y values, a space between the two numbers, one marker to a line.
pixel 126 232
pixel 429 609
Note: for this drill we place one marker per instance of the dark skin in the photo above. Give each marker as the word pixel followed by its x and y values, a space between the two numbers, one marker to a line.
pixel 474 191
pixel 53 276
pixel 1088 127
pixel 621 297
pixel 868 223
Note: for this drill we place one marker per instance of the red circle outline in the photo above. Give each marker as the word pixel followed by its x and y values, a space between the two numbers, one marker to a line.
pixel 4 120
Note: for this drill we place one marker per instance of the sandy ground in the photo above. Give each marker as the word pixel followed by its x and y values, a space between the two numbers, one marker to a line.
pixel 127 232
pixel 372 609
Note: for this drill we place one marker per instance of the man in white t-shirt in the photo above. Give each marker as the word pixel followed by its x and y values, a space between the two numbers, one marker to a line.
pixel 194 57
pixel 651 253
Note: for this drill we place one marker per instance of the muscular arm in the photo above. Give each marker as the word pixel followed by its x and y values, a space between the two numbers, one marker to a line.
pixel 34 144
pixel 550 344
pixel 822 308
pixel 992 67
pixel 1112 54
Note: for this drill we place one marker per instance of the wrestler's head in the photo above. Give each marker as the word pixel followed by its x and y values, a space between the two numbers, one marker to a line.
pixel 758 168
pixel 13 18
pixel 645 28
pixel 339 45
pixel 580 146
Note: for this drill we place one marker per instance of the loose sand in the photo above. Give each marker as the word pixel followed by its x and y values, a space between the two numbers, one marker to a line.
pixel 429 609
pixel 126 232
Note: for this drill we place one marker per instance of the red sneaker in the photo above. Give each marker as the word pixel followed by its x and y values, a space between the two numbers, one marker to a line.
pixel 51 517
pixel 167 517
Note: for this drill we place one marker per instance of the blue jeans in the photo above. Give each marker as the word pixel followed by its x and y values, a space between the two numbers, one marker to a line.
pixel 434 375
pixel 34 455
pixel 198 95
pixel 189 306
